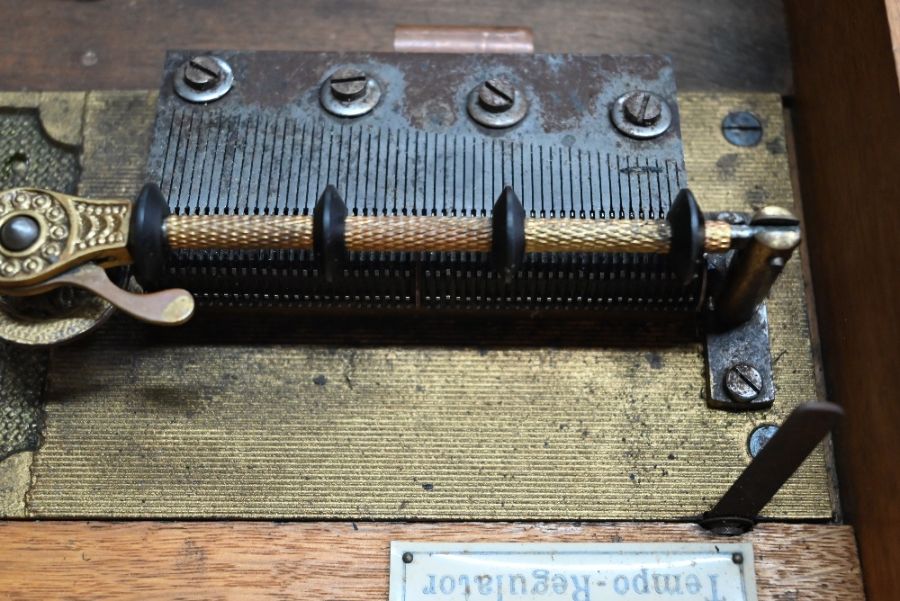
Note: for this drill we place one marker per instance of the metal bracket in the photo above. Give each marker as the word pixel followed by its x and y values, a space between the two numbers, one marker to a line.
pixel 740 365
pixel 738 357
pixel 798 436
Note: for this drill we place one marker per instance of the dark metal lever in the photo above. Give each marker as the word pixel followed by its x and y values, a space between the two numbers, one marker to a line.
pixel 797 437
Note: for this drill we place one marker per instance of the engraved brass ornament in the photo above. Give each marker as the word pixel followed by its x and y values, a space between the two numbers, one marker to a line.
pixel 71 231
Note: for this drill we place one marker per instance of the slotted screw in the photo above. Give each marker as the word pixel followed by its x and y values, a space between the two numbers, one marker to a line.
pixel 760 436
pixel 743 382
pixel 497 95
pixel 643 108
pixel 202 72
pixel 348 83
pixel 742 128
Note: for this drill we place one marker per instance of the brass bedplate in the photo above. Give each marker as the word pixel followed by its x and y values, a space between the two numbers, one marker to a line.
pixel 450 420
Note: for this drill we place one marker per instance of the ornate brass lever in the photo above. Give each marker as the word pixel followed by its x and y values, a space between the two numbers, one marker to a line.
pixel 165 308
pixel 50 239
pixel 46 233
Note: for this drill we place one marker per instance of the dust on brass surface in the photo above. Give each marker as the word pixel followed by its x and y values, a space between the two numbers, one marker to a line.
pixel 305 417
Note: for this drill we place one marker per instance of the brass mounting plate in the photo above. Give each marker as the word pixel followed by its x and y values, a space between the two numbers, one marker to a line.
pixel 294 418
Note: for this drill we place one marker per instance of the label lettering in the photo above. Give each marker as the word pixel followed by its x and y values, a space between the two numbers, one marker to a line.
pixel 671 584
pixel 560 584
pixel 541 585
pixel 582 590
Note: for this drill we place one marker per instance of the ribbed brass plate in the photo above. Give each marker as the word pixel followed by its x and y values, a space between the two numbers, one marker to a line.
pixel 310 418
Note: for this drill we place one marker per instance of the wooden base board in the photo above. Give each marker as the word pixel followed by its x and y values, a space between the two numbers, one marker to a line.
pixel 349 561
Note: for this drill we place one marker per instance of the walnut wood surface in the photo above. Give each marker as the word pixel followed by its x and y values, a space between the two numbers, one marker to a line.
pixel 349 561
pixel 847 117
pixel 107 44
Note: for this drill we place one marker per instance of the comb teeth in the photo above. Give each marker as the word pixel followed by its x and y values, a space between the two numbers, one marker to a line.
pixel 282 165
pixel 267 148
pixel 283 162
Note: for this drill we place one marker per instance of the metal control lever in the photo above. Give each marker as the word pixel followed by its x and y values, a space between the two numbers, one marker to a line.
pixel 806 426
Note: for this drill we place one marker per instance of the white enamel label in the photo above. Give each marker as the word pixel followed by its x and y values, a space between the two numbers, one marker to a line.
pixel 571 572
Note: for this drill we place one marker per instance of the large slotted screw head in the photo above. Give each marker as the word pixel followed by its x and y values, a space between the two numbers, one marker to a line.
pixel 743 383
pixel 742 128
pixel 643 108
pixel 497 95
pixel 348 83
pixel 202 72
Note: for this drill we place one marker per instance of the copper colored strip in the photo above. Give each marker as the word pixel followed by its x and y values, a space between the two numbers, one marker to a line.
pixel 462 39
pixel 418 234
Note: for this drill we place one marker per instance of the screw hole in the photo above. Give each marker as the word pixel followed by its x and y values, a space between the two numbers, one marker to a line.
pixel 17 165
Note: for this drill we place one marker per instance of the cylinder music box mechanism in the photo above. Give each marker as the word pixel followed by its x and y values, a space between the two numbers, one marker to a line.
pixel 551 185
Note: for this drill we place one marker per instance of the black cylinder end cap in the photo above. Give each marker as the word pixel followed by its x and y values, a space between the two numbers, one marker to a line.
pixel 329 243
pixel 146 239
pixel 688 236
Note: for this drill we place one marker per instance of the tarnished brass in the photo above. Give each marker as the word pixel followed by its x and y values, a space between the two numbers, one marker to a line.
pixel 718 236
pixel 165 308
pixel 463 39
pixel 238 231
pixel 582 235
pixel 437 234
pixel 71 231
pixel 317 427
pixel 756 266
pixel 418 233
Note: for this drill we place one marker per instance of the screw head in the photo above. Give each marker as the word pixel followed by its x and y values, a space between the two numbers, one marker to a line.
pixel 407 557
pixel 743 382
pixel 643 108
pixel 641 115
pixel 349 92
pixel 497 103
pixel 760 437
pixel 203 79
pixel 742 128
pixel 497 95
pixel 348 83
pixel 202 72
pixel 19 233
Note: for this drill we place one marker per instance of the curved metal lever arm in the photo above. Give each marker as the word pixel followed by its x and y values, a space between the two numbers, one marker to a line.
pixel 167 307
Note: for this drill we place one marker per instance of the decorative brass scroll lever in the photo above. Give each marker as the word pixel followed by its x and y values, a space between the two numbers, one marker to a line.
pixel 165 308
pixel 46 233
pixel 49 239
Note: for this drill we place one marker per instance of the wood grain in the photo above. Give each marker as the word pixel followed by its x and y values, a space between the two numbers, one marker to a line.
pixel 893 15
pixel 66 44
pixel 349 561
pixel 847 116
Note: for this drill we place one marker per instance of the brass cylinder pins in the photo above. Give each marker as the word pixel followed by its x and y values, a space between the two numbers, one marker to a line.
pixel 331 233
pixel 429 234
